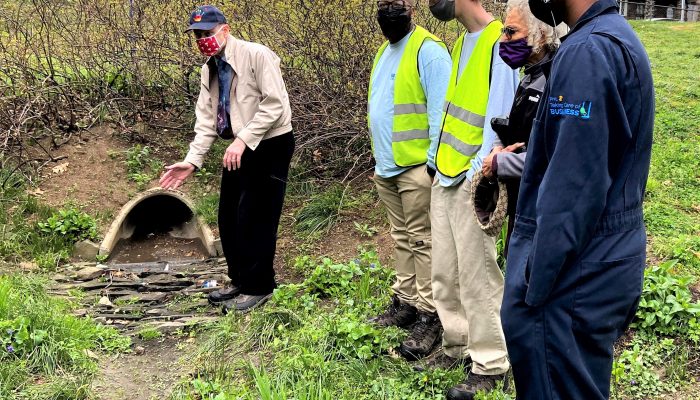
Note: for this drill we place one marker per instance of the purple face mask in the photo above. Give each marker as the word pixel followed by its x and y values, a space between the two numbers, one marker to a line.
pixel 515 53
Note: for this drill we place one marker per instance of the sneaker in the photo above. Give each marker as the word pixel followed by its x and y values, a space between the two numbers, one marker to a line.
pixel 397 314
pixel 245 302
pixel 476 383
pixel 425 333
pixel 219 296
pixel 440 360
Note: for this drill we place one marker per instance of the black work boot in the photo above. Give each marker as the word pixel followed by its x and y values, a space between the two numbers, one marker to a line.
pixel 440 360
pixel 476 383
pixel 397 314
pixel 245 302
pixel 425 333
pixel 224 294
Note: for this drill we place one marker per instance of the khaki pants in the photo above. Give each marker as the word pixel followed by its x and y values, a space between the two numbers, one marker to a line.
pixel 467 283
pixel 407 200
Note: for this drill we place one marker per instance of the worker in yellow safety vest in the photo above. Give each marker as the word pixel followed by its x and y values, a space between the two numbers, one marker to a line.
pixel 467 282
pixel 406 92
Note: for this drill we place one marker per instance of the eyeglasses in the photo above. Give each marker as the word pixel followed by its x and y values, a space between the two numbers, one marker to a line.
pixel 384 4
pixel 509 32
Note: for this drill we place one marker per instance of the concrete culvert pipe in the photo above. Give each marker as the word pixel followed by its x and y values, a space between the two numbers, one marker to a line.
pixel 157 213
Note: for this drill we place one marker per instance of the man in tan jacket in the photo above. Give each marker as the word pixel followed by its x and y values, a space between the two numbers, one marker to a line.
pixel 242 97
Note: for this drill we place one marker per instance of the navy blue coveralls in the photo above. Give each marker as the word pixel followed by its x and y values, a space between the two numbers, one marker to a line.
pixel 577 254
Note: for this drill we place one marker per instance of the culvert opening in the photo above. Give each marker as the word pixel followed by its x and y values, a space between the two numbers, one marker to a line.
pixel 157 226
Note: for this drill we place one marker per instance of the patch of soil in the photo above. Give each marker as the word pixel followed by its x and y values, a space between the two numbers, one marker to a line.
pixel 695 291
pixel 340 243
pixel 90 174
pixel 158 247
pixel 151 374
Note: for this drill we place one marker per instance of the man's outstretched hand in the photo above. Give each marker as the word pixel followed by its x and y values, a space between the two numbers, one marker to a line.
pixel 175 175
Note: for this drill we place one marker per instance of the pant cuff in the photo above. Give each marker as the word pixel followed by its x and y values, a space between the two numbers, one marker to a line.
pixel 500 370
pixel 406 299
pixel 459 352
pixel 426 307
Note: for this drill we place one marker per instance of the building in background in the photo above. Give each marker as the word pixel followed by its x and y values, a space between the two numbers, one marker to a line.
pixel 678 10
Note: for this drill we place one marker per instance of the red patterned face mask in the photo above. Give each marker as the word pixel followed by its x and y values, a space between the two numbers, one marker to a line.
pixel 209 45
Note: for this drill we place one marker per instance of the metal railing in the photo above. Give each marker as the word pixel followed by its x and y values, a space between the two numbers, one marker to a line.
pixel 637 10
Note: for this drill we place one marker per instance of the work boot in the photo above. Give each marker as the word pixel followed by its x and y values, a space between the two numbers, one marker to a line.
pixel 424 335
pixel 476 383
pixel 440 360
pixel 245 302
pixel 224 294
pixel 397 314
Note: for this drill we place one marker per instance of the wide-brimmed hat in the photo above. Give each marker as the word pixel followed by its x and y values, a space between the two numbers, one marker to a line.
pixel 490 201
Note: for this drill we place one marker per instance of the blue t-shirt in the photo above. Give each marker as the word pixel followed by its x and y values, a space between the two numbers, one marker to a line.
pixel 504 83
pixel 434 65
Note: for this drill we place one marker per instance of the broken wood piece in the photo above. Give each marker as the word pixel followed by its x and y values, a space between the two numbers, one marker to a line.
pixel 141 297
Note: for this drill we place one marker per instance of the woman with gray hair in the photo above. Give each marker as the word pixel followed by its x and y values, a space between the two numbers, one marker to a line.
pixel 525 42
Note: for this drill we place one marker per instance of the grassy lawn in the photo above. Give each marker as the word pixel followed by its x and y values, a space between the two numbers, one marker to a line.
pixel 673 199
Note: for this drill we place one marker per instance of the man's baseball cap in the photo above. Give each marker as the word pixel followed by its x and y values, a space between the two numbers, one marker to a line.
pixel 206 18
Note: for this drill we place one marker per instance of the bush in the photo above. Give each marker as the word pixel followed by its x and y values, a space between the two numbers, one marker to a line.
pixel 137 66
pixel 71 224
pixel 354 338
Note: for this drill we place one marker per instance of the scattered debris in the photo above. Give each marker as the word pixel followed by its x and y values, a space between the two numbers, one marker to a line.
pixel 166 296
pixel 89 273
pixel 37 192
pixel 60 168
pixel 28 266
pixel 104 301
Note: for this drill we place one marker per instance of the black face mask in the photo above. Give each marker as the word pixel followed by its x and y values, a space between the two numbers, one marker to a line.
pixel 444 10
pixel 545 11
pixel 395 23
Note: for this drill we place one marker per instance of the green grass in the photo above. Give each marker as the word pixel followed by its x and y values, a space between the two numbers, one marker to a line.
pixel 313 341
pixel 673 200
pixel 149 333
pixel 46 352
pixel 656 360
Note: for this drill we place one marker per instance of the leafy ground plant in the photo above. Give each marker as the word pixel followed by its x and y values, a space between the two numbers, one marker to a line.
pixel 667 307
pixel 72 224
pixel 141 166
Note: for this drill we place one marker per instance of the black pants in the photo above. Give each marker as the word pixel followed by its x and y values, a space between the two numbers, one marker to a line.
pixel 250 206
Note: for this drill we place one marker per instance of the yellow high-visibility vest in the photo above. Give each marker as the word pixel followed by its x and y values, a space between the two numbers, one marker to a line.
pixel 410 137
pixel 464 115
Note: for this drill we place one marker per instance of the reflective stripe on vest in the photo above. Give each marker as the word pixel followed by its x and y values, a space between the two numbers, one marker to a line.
pixel 410 139
pixel 464 113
